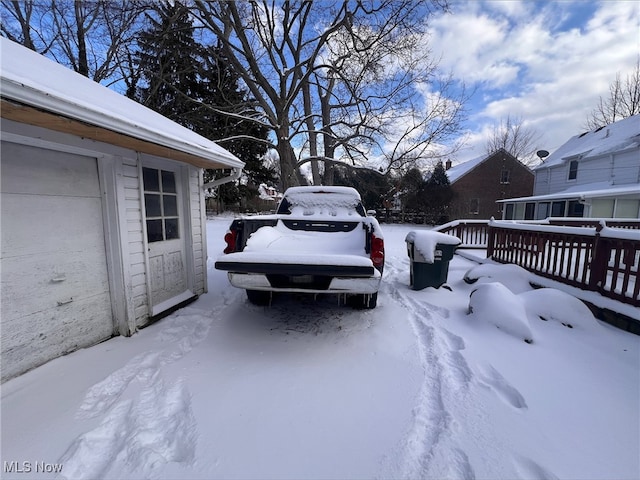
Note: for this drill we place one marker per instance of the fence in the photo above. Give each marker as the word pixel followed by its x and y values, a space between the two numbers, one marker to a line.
pixel 590 254
pixel 601 259
pixel 472 233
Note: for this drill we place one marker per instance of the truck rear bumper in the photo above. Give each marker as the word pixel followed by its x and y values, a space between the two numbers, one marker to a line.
pixel 304 283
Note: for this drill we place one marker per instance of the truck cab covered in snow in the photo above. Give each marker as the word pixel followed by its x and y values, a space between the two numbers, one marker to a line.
pixel 319 241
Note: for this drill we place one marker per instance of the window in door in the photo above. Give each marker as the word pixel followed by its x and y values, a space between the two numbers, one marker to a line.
pixel 161 204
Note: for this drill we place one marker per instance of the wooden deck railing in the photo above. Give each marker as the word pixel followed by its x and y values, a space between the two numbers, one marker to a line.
pixel 590 254
pixel 472 233
pixel 600 259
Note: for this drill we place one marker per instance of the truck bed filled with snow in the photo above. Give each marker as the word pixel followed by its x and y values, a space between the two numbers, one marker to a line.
pixel 280 244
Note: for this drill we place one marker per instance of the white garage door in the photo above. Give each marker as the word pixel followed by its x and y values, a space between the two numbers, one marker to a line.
pixel 55 290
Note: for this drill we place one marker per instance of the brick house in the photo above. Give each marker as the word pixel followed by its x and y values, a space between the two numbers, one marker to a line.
pixel 479 183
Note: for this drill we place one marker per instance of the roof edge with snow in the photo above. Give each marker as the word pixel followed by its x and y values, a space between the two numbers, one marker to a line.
pixel 596 191
pixel 29 79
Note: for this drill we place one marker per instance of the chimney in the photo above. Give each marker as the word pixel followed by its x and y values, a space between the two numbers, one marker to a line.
pixel 447 164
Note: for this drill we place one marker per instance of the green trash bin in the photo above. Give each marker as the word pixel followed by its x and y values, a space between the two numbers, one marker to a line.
pixel 429 256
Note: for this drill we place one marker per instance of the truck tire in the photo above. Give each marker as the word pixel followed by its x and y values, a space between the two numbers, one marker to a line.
pixel 364 301
pixel 259 297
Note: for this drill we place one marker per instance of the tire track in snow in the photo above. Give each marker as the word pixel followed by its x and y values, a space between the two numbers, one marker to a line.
pixel 153 427
pixel 430 450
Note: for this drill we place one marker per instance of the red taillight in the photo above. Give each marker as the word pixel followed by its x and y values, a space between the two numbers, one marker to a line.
pixel 377 251
pixel 230 238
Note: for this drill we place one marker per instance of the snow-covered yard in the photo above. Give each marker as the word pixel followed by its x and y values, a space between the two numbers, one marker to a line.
pixel 416 388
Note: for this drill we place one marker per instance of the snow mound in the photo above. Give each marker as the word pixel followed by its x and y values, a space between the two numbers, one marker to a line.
pixel 556 305
pixel 514 277
pixel 510 318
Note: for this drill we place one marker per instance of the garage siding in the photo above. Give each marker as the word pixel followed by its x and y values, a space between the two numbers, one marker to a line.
pixel 135 241
pixel 197 228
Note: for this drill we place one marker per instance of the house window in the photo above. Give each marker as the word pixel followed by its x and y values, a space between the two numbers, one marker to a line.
pixel 505 176
pixel 576 209
pixel 529 210
pixel 508 212
pixel 573 170
pixel 626 208
pixel 160 204
pixel 557 209
pixel 543 210
pixel 474 206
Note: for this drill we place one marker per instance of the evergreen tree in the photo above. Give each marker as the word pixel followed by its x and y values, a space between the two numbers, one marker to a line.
pixel 372 185
pixel 438 176
pixel 413 187
pixel 438 195
pixel 192 85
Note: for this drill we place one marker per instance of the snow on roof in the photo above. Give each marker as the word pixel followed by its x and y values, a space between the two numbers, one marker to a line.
pixel 457 171
pixel 590 190
pixel 32 79
pixel 617 136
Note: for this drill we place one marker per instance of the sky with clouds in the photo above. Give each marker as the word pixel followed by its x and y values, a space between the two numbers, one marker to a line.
pixel 547 63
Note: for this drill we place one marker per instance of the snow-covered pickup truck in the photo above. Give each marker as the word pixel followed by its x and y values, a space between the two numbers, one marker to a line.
pixel 319 241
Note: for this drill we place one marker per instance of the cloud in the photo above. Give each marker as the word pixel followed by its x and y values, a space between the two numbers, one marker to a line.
pixel 546 63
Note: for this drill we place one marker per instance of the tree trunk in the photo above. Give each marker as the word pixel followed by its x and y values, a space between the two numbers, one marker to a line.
pixel 83 63
pixel 313 135
pixel 329 141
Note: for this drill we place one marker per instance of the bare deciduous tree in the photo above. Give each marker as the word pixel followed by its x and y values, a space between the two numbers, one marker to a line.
pixel 516 138
pixel 91 37
pixel 26 22
pixel 623 101
pixel 337 81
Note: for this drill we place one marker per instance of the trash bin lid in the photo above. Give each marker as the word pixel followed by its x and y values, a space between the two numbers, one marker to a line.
pixel 426 241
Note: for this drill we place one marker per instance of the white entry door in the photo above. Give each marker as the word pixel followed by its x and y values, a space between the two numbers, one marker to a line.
pixel 168 281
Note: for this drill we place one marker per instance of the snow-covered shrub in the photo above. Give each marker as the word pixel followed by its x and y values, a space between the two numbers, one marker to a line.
pixel 514 277
pixel 496 304
pixel 556 305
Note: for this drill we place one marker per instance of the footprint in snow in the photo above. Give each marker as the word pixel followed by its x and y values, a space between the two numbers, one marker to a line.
pixel 458 369
pixel 103 395
pixel 181 332
pixel 137 435
pixel 490 377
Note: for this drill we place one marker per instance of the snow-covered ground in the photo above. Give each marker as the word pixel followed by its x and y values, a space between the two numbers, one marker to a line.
pixel 417 388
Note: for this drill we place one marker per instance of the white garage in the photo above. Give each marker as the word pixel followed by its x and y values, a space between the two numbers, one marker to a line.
pixel 102 211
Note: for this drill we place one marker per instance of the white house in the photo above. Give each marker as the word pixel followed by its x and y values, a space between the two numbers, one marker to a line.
pixel 102 208
pixel 595 174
